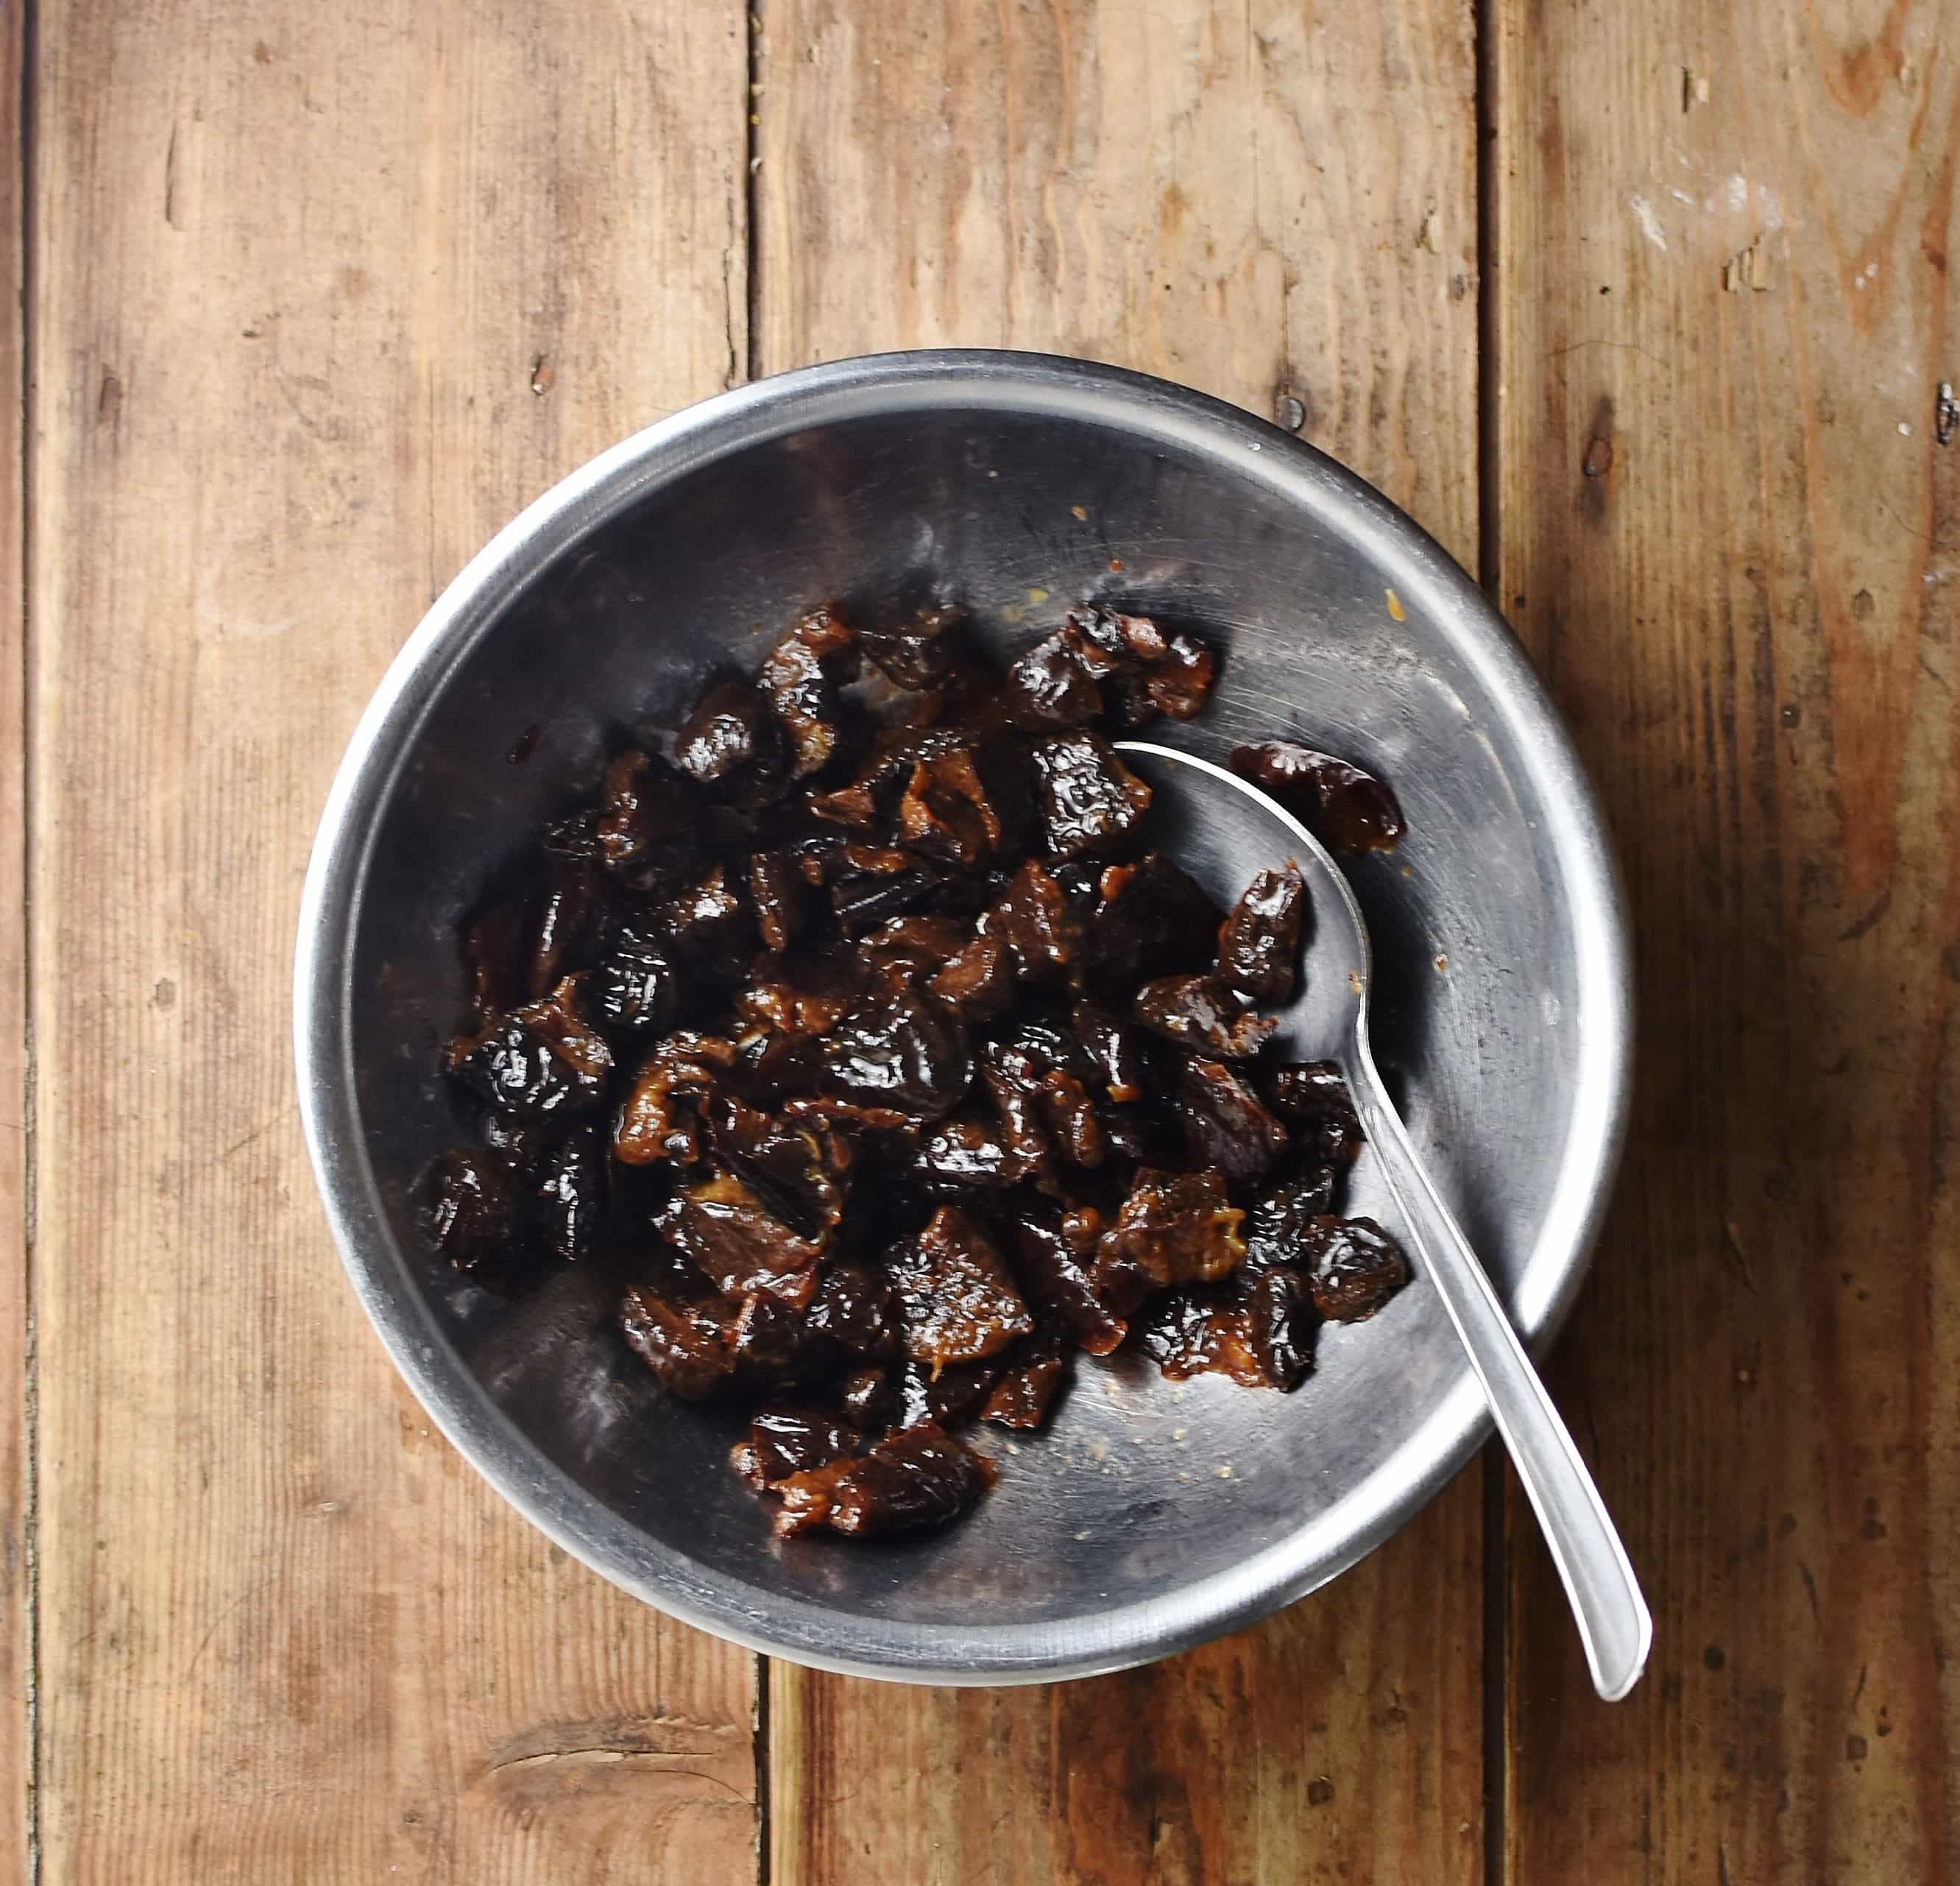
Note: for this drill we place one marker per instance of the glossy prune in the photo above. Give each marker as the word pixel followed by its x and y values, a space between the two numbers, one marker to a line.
pixel 1356 1267
pixel 1091 800
pixel 956 1300
pixel 1346 809
pixel 920 1476
pixel 1200 1013
pixel 1259 942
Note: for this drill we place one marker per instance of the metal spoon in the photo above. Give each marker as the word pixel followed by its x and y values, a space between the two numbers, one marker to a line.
pixel 1226 830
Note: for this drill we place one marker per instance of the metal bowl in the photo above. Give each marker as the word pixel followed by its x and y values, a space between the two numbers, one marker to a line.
pixel 1152 1515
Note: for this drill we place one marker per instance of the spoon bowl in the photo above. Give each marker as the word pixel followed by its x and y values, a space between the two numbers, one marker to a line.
pixel 1224 830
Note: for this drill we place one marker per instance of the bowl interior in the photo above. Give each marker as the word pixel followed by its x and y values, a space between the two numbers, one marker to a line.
pixel 1146 1502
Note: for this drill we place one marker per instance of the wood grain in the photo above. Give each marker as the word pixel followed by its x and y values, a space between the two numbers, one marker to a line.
pixel 1258 202
pixel 1732 542
pixel 16 1594
pixel 325 293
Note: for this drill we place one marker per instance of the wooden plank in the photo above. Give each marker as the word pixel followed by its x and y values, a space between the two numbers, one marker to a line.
pixel 1731 538
pixel 16 1594
pixel 325 293
pixel 1259 203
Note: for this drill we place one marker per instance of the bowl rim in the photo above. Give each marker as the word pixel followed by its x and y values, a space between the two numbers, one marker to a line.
pixel 1428 579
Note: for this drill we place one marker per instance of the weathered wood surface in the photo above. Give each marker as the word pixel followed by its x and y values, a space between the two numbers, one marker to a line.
pixel 318 297
pixel 1261 203
pixel 16 1595
pixel 322 295
pixel 1730 537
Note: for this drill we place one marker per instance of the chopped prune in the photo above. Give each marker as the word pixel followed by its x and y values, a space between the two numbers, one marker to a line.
pixel 1123 1057
pixel 1258 943
pixel 1174 1227
pixel 1312 1098
pixel 649 829
pixel 1091 800
pixel 1203 1332
pixel 728 1233
pixel 1151 919
pixel 1200 1012
pixel 901 1051
pixel 473 1213
pixel 1024 1396
pixel 634 985
pixel 734 745
pixel 708 925
pixel 571 1193
pixel 970 1078
pixel 783 893
pixel 957 1301
pixel 1357 1266
pixel 542 1059
pixel 1224 1124
pixel 1047 689
pixel 684 1333
pixel 922 652
pixel 1346 809
pixel 785 1440
pixel 799 679
pixel 920 1476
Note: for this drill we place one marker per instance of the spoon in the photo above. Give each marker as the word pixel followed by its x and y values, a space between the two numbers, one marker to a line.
pixel 1214 820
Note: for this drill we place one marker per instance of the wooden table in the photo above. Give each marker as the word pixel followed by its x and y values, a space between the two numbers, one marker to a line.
pixel 1642 309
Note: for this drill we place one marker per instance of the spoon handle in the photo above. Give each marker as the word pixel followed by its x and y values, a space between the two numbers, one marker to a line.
pixel 1614 1626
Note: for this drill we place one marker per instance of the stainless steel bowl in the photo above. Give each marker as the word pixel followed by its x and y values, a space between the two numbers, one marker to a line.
pixel 1153 1515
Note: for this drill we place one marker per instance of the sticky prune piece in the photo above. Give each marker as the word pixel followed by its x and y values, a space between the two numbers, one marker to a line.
pixel 950 809
pixel 783 1441
pixel 1040 922
pixel 661 1118
pixel 922 652
pixel 1075 1129
pixel 1024 1394
pixel 1356 1267
pixel 1055 1257
pixel 784 894
pixel 708 925
pixel 648 827
pixel 1147 1134
pixel 733 746
pixel 921 1476
pixel 472 1212
pixel 574 919
pixel 1181 682
pixel 877 884
pixel 571 1189
pixel 1125 1058
pixel 800 995
pixel 1150 918
pixel 1346 809
pixel 1203 1332
pixel 979 980
pixel 867 1399
pixel 957 1301
pixel 899 1050
pixel 494 947
pixel 1224 1124
pixel 634 986
pixel 854 1307
pixel 727 1231
pixel 1091 800
pixel 910 951
pixel 1047 689
pixel 952 1396
pixel 1106 640
pixel 1280 1322
pixel 683 1333
pixel 1174 1227
pixel 1200 1013
pixel 1259 942
pixel 1282 1226
pixel 543 1059
pixel 1312 1098
pixel 799 680
pixel 967 1152
pixel 798 1167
